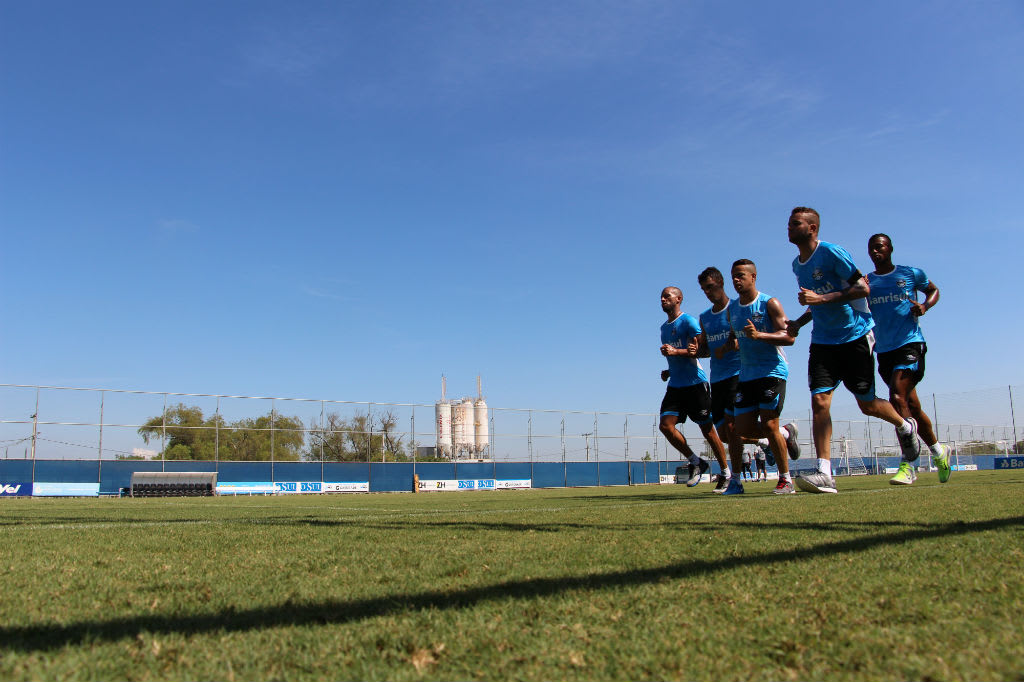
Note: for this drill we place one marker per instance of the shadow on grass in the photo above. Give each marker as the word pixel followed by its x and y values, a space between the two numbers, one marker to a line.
pixel 46 637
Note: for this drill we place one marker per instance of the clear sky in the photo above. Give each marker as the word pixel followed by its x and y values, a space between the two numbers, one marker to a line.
pixel 345 200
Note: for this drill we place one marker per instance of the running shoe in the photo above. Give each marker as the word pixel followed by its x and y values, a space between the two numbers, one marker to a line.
pixel 816 482
pixel 905 475
pixel 910 444
pixel 695 473
pixel 769 456
pixel 792 447
pixel 735 487
pixel 785 487
pixel 942 463
pixel 720 483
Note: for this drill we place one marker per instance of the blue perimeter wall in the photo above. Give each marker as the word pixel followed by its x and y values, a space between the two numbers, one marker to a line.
pixel 383 477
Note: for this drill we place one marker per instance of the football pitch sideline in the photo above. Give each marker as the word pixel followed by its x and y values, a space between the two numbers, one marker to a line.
pixel 652 582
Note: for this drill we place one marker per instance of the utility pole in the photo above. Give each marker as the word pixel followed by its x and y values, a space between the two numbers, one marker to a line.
pixel 586 441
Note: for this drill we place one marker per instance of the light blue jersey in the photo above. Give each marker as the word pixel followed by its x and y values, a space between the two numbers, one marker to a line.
pixel 682 371
pixel 890 299
pixel 758 359
pixel 717 330
pixel 829 269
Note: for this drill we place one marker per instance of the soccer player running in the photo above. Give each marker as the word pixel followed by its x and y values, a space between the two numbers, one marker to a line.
pixel 688 393
pixel 716 341
pixel 715 334
pixel 759 330
pixel 841 343
pixel 900 344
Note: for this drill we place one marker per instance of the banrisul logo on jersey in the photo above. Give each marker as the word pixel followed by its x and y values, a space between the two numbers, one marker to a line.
pixel 15 489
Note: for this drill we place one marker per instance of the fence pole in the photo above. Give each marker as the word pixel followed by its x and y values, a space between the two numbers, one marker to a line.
pixel 529 434
pixel 35 433
pixel 163 439
pixel 102 396
pixel 99 459
pixel 1013 419
pixel 625 438
pixel 563 438
pixel 216 436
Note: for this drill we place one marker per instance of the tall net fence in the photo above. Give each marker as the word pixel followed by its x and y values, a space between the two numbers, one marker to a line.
pixel 50 422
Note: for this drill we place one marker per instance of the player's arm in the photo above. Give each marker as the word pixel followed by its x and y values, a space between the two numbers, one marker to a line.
pixel 793 327
pixel 702 344
pixel 780 337
pixel 931 297
pixel 858 289
pixel 732 344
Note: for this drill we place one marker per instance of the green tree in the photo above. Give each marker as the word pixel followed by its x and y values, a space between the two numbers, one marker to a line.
pixel 190 436
pixel 369 437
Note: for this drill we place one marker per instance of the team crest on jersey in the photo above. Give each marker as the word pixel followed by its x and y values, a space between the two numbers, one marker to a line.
pixel 901 283
pixel 818 274
pixel 739 397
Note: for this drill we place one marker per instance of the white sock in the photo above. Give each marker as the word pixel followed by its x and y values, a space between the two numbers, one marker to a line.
pixel 936 449
pixel 825 466
pixel 784 431
pixel 904 428
pixel 763 442
pixel 727 472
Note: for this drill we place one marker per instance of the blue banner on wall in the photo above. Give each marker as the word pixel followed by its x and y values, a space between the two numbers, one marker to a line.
pixel 15 488
pixel 1016 462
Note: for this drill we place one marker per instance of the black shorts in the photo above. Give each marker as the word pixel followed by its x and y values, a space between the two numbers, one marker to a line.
pixel 767 394
pixel 688 401
pixel 909 357
pixel 723 397
pixel 850 363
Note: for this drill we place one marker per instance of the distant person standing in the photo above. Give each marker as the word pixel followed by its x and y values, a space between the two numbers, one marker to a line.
pixel 900 344
pixel 688 393
pixel 841 343
pixel 747 473
pixel 759 330
pixel 715 333
pixel 759 461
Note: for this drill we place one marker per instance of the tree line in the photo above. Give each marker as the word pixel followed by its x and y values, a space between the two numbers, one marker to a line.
pixel 187 434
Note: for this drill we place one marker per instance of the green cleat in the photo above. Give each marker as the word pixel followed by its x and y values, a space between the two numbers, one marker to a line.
pixel 905 476
pixel 942 463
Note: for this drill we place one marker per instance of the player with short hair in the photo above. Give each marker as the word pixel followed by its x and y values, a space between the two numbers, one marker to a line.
pixel 841 342
pixel 900 345
pixel 758 324
pixel 688 393
pixel 725 362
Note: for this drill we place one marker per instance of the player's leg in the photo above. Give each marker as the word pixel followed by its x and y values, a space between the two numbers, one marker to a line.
pixel 667 426
pixel 723 395
pixel 940 456
pixel 744 422
pixel 771 400
pixel 701 411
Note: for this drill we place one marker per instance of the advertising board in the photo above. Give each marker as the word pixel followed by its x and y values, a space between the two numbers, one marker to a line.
pixel 65 489
pixel 15 488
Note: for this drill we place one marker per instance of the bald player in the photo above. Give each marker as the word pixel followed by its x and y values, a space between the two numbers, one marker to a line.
pixel 688 393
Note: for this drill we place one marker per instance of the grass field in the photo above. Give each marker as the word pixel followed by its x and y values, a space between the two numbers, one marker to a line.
pixel 657 582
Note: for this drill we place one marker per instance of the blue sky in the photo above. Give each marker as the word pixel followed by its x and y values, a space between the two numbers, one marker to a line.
pixel 346 200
